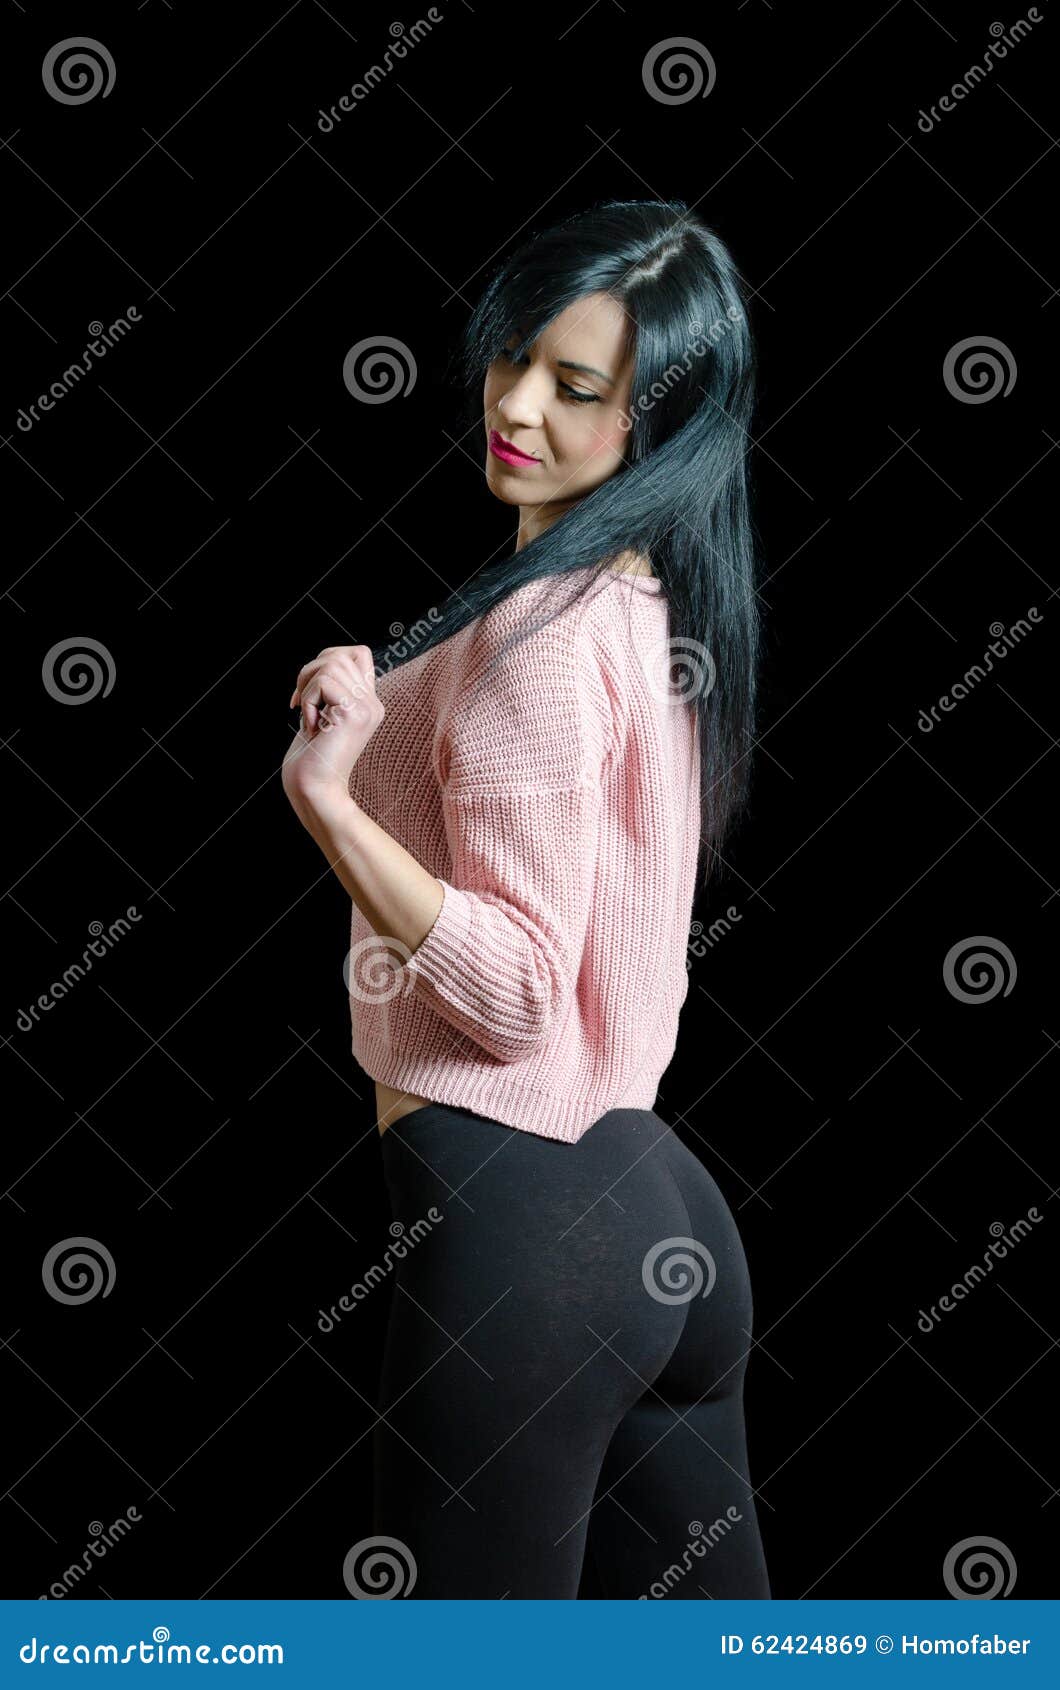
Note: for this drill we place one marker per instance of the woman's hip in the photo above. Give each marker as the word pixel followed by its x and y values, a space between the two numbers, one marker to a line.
pixel 622 1192
pixel 444 1145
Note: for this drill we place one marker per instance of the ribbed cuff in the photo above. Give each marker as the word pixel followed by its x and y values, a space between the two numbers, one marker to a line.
pixel 438 958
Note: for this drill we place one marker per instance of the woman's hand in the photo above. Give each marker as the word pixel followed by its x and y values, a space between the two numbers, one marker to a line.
pixel 340 713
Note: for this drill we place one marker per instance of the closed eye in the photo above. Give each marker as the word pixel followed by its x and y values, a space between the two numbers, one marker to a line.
pixel 575 393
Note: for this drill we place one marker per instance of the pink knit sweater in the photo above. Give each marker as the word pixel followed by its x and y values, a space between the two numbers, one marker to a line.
pixel 557 803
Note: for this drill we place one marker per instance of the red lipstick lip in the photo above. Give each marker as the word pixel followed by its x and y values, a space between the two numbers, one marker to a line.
pixel 502 448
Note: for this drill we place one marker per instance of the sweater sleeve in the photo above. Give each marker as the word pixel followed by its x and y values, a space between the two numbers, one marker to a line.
pixel 524 755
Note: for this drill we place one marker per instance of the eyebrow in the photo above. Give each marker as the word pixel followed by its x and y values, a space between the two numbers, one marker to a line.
pixel 565 364
pixel 568 364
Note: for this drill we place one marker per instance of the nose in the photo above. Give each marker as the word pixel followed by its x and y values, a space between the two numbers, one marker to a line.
pixel 521 406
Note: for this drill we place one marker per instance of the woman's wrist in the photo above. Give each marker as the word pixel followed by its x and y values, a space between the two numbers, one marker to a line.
pixel 328 817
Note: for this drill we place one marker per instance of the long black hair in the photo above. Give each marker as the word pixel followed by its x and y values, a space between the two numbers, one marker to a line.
pixel 681 495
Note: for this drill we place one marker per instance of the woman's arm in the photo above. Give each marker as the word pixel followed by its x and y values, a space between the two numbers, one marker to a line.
pixel 495 947
pixel 340 713
pixel 395 894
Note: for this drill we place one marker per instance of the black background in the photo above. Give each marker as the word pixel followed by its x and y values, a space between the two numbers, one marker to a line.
pixel 213 506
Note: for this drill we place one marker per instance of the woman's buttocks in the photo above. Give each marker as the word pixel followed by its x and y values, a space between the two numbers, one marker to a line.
pixel 596 1206
pixel 629 1162
pixel 507 1225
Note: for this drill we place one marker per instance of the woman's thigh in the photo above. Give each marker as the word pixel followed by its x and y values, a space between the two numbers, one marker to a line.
pixel 674 1514
pixel 522 1330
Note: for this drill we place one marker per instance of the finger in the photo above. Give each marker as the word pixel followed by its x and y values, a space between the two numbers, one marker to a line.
pixel 300 681
pixel 351 659
pixel 307 668
pixel 328 688
pixel 311 692
pixel 338 679
pixel 359 707
pixel 307 727
pixel 303 672
pixel 362 716
pixel 360 656
pixel 348 711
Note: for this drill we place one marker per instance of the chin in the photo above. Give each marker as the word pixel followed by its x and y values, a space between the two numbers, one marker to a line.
pixel 503 483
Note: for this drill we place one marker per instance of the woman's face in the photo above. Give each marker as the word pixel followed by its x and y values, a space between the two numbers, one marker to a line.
pixel 562 405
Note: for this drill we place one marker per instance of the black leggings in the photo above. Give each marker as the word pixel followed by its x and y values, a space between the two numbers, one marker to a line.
pixel 562 1385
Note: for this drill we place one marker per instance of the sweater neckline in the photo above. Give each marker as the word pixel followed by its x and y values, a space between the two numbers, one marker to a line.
pixel 644 583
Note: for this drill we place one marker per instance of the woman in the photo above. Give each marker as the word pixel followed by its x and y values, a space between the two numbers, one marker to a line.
pixel 519 809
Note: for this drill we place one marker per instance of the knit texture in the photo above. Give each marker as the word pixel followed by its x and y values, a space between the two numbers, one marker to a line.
pixel 556 800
